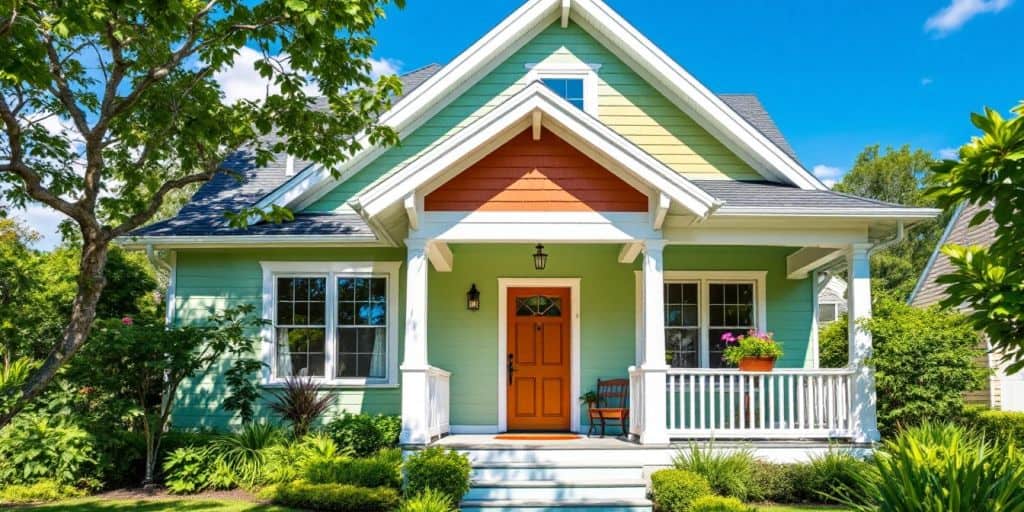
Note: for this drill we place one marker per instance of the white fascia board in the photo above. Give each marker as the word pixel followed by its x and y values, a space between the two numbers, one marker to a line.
pixel 172 242
pixel 516 113
pixel 909 214
pixel 682 86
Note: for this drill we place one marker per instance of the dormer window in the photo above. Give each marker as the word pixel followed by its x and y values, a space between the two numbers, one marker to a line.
pixel 569 88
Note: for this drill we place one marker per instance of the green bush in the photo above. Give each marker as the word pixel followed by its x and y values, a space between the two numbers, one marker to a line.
pixel 836 477
pixel 365 434
pixel 242 454
pixel 188 470
pixel 944 467
pixel 39 492
pixel 924 361
pixel 427 501
pixel 335 497
pixel 719 504
pixel 287 462
pixel 446 471
pixel 673 490
pixel 1002 426
pixel 369 472
pixel 34 448
pixel 774 482
pixel 728 471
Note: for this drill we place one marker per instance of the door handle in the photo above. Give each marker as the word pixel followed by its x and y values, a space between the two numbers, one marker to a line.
pixel 511 368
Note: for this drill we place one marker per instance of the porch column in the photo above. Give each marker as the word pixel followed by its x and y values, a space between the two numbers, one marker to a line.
pixel 414 362
pixel 864 414
pixel 653 367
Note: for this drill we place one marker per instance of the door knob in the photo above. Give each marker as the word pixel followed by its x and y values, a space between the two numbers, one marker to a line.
pixel 511 368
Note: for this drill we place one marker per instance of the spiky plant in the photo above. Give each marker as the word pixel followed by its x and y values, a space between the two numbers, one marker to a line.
pixel 300 403
pixel 244 452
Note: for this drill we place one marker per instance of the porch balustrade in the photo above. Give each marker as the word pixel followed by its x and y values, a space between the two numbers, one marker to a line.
pixel 438 404
pixel 729 404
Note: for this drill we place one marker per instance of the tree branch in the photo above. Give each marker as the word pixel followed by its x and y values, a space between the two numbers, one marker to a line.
pixel 158 199
pixel 63 90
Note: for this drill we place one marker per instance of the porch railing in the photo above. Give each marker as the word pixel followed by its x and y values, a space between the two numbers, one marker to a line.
pixel 783 403
pixel 636 401
pixel 438 404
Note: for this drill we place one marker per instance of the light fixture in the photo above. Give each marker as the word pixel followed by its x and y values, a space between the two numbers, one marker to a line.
pixel 473 298
pixel 540 258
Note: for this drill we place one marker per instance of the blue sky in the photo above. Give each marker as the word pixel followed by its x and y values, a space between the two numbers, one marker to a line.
pixel 836 75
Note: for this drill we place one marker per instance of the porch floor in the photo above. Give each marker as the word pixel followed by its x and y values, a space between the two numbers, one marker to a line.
pixel 489 442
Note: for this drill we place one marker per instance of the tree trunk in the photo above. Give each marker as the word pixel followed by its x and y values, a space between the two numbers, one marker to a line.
pixel 83 312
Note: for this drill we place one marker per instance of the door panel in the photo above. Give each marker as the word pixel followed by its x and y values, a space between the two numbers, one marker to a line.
pixel 539 353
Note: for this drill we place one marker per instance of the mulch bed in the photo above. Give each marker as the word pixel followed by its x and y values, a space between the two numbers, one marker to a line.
pixel 162 493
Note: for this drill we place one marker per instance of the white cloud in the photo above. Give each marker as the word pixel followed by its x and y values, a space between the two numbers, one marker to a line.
pixel 827 174
pixel 926 81
pixel 384 66
pixel 949 153
pixel 241 81
pixel 959 12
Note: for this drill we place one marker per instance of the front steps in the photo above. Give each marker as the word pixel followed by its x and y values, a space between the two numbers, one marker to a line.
pixel 540 479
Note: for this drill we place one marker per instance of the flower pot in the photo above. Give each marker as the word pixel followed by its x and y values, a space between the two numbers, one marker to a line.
pixel 757 364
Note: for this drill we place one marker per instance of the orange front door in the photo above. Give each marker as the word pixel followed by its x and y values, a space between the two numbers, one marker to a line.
pixel 538 359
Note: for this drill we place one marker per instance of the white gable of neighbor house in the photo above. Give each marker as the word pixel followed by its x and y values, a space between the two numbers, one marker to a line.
pixel 693 100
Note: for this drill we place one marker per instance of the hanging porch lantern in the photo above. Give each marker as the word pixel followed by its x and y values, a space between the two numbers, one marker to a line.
pixel 540 258
pixel 473 298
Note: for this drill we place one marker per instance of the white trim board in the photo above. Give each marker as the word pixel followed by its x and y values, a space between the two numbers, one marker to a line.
pixel 610 29
pixel 573 284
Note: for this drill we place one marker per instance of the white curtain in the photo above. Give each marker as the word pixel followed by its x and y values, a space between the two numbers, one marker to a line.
pixel 284 354
pixel 380 347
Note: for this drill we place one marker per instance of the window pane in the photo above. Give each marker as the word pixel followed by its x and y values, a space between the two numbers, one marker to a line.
pixel 300 352
pixel 284 289
pixel 681 347
pixel 731 311
pixel 569 88
pixel 827 313
pixel 301 301
pixel 362 352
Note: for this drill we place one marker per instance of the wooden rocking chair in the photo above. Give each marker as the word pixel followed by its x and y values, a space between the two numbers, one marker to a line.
pixel 612 404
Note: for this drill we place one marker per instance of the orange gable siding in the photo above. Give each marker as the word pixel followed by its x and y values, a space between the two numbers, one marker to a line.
pixel 544 175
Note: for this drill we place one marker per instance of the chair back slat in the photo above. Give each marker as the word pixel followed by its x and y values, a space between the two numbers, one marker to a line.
pixel 613 393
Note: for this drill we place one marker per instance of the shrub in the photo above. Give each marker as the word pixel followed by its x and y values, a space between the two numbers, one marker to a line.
pixel 39 492
pixel 924 361
pixel 365 434
pixel 286 462
pixel 836 477
pixel 446 471
pixel 427 501
pixel 188 470
pixel 934 468
pixel 1002 426
pixel 673 490
pixel 335 497
pixel 300 403
pixel 35 448
pixel 719 504
pixel 773 482
pixel 728 471
pixel 371 472
pixel 243 454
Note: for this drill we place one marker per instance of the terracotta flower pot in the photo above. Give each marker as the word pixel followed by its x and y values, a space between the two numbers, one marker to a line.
pixel 757 364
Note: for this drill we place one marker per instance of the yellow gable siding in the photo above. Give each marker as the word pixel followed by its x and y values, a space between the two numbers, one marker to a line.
pixel 626 103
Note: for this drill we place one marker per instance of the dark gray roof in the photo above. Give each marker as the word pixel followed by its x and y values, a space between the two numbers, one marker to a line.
pixel 751 109
pixel 304 224
pixel 769 194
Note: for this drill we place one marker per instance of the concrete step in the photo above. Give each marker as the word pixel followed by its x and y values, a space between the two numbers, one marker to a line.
pixel 524 471
pixel 588 505
pixel 542 490
pixel 582 457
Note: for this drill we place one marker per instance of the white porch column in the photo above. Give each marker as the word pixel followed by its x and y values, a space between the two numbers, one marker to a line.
pixel 864 414
pixel 414 363
pixel 653 367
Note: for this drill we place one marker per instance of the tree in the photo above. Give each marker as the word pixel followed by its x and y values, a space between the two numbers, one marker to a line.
pixel 131 86
pixel 152 360
pixel 896 176
pixel 17 281
pixel 990 280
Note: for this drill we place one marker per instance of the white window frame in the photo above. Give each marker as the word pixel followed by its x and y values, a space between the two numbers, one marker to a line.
pixel 835 317
pixel 586 72
pixel 330 271
pixel 704 279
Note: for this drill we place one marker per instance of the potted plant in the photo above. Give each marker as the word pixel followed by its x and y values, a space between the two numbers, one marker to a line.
pixel 589 398
pixel 753 352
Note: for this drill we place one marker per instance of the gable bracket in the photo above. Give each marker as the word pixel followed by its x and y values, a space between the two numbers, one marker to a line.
pixel 537 117
pixel 630 251
pixel 440 256
pixel 802 262
pixel 412 211
pixel 566 7
pixel 659 209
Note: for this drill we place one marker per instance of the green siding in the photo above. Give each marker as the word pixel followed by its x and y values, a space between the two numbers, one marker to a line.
pixel 465 342
pixel 626 103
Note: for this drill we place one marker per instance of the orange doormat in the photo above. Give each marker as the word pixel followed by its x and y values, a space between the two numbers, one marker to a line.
pixel 537 437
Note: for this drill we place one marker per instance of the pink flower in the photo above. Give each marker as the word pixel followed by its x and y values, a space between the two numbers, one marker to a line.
pixel 728 338
pixel 127 320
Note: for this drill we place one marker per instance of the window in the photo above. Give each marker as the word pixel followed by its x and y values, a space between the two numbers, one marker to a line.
pixel 701 307
pixel 331 321
pixel 828 313
pixel 569 88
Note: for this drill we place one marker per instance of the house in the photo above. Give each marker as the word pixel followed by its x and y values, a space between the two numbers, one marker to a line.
pixel 832 300
pixel 1005 392
pixel 568 203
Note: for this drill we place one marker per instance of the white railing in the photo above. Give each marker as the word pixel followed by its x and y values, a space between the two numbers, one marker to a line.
pixel 438 404
pixel 636 401
pixel 783 403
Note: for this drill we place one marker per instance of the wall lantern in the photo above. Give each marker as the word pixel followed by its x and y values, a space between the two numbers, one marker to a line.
pixel 540 258
pixel 473 298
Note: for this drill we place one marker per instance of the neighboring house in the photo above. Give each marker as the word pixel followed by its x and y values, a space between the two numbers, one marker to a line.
pixel 832 300
pixel 616 218
pixel 1001 391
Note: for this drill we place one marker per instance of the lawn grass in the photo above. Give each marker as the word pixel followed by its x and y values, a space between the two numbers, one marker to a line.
pixel 801 508
pixel 156 505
